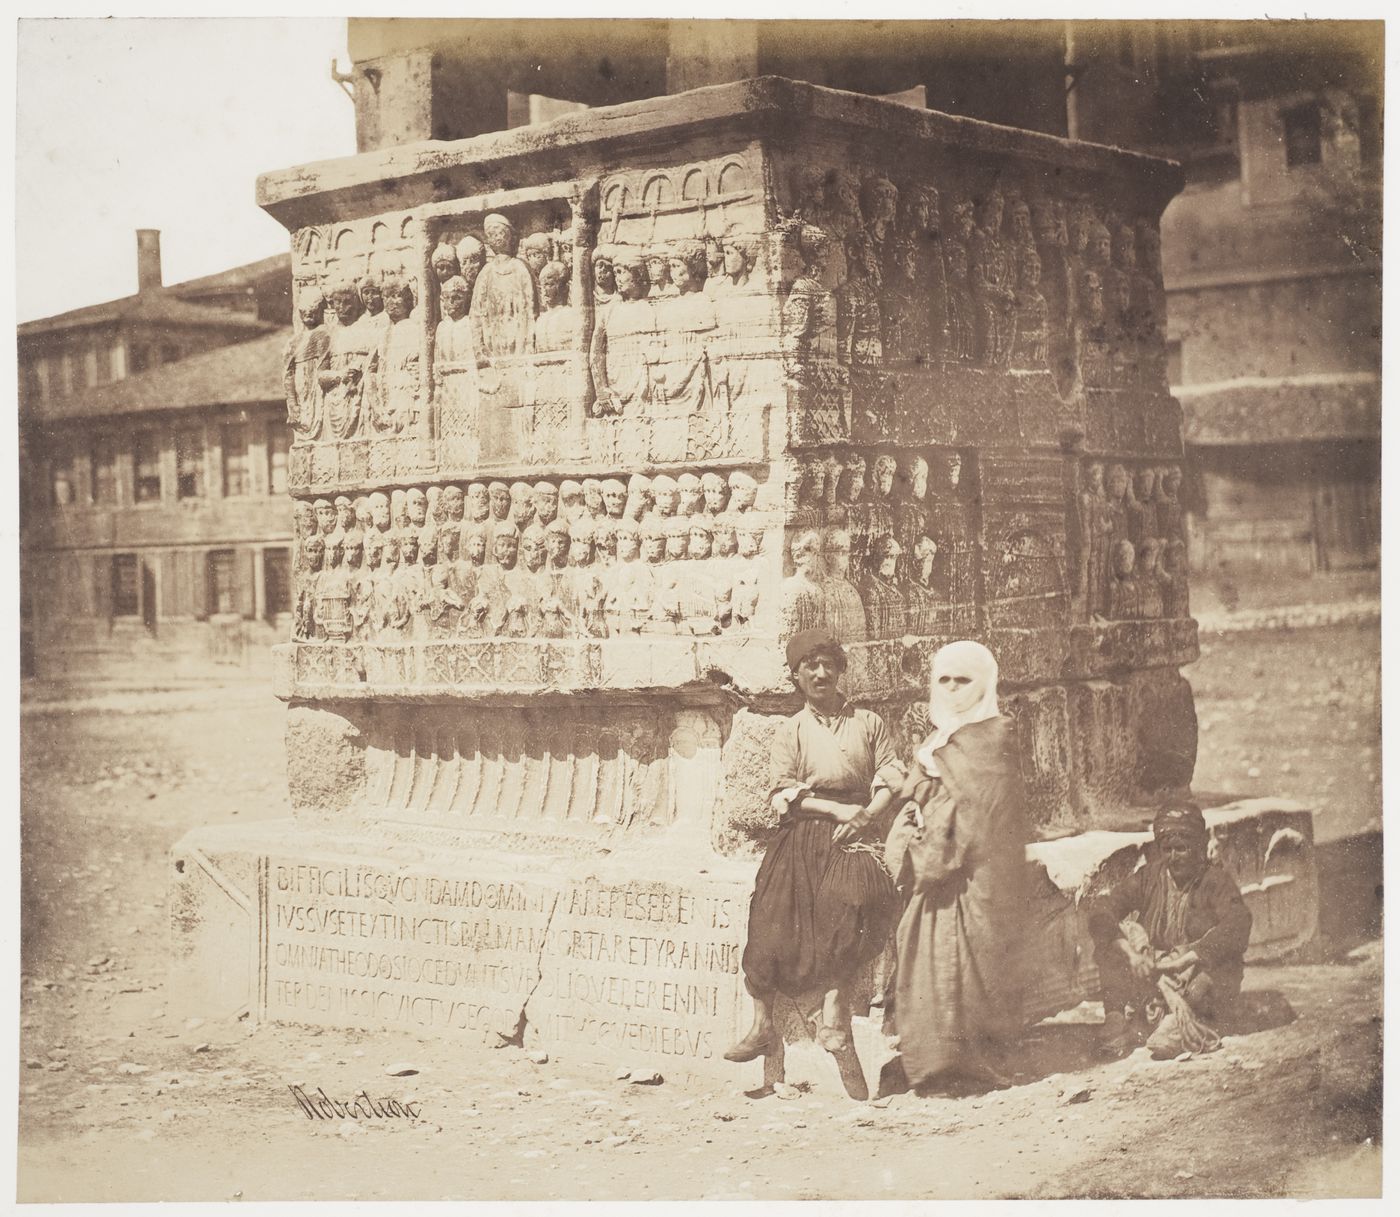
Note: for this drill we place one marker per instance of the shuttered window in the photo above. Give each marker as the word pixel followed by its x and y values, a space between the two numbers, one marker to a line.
pixel 220 577
pixel 277 581
pixel 126 586
pixel 234 438
pixel 189 462
pixel 279 441
pixel 147 466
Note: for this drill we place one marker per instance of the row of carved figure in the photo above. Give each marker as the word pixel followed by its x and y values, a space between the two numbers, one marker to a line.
pixel 990 284
pixel 1132 543
pixel 585 578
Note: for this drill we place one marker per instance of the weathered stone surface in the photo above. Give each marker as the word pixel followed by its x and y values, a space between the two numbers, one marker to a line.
pixel 325 762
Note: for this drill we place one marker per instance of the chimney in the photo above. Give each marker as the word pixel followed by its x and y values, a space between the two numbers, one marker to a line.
pixel 148 275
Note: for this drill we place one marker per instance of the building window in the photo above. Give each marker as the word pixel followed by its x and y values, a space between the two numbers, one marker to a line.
pixel 1368 130
pixel 1302 134
pixel 33 376
pixel 140 358
pixel 279 441
pixel 72 371
pixel 189 462
pixel 65 478
pixel 126 586
pixel 104 470
pixel 147 467
pixel 235 446
pixel 169 354
pixel 277 582
pixel 90 367
pixel 219 576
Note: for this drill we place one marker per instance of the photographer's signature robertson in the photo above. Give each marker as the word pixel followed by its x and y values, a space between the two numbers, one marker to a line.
pixel 320 1106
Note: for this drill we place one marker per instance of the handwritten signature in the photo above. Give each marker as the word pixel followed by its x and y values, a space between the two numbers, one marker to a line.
pixel 320 1106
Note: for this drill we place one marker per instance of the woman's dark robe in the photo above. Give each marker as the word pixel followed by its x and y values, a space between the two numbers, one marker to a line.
pixel 959 972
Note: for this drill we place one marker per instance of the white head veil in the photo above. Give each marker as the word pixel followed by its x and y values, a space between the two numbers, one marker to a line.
pixel 951 708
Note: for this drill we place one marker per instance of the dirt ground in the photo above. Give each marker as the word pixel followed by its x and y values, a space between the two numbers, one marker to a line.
pixel 156 1109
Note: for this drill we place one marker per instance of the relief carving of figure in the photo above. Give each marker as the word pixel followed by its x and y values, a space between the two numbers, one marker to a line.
pixel 863 339
pixel 583 593
pixel 522 504
pixel 852 510
pixel 348 366
pixel 1170 520
pixel 801 595
pixel 453 341
pixel 922 236
pixel 593 505
pixel 658 268
pixel 620 583
pixel 715 492
pixel 1176 597
pixel 638 497
pixel 744 596
pixel 809 312
pixel 879 207
pixel 363 623
pixel 880 510
pixel 622 339
pixel 605 542
pixel 958 256
pixel 807 506
pixel 1032 348
pixel 955 576
pixel 884 602
pixel 471 257
pixel 305 354
pixel 1143 529
pixel 724 567
pixel 444 262
pixel 842 609
pixel 701 592
pixel 344 514
pixel 1095 526
pixel 910 514
pixel 690 500
pixel 923 605
pixel 715 281
pixel 503 300
pixel 475 621
pixel 557 325
pixel 743 491
pixel 1123 599
pixel 993 285
pixel 325 516
pixel 304 618
pixel 682 380
pixel 1117 525
pixel 400 396
pixel 333 594
pixel 665 496
pixel 536 251
pixel 570 499
pixel 604 284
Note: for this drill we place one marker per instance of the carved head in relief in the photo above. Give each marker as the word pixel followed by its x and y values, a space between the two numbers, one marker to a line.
pixel 1030 269
pixel 315 550
pixel 630 272
pixel 545 498
pixel 505 543
pixel 690 497
pixel 416 505
pixel 1048 217
pixel 1124 560
pixel 570 498
pixel 471 257
pixel 345 302
pixel 701 537
pixel 843 197
pixel 726 540
pixel 916 478
pixel 522 504
pixel 1117 482
pixel 614 497
pixel 750 533
pixel 581 542
pixel 556 541
pixel 444 262
pixel 311 307
pixel 408 546
pixel 335 550
pixel 861 258
pixel 364 520
pixel 924 210
pixel 685 263
pixel 1094 475
pixel 1125 247
pixel 677 538
pixel 532 547
pixel 605 539
pixel 603 279
pixel 953 467
pixel 853 477
pixel 1174 558
pixel 374 550
pixel 1100 244
pixel 956 258
pixel 398 299
pixel 478 502
pixel 447 541
pixel 436 510
pixel 428 546
pixel 454 506
pixel 535 251
pixel 1019 221
pixel 885 557
pixel 1149 246
pixel 1171 482
pixel 554 284
pixel 805 551
pixel 593 497
pixel 740 255
pixel 474 546
pixel 391 550
pixel 629 540
pixel 304 515
pixel 743 490
pixel 344 513
pixel 1144 483
pixel 371 295
pixel 638 496
pixel 500 235
pixel 808 190
pixel 925 551
pixel 379 510
pixel 653 541
pixel 715 492
pixel 658 265
pixel 455 294
pixel 665 494
pixel 325 516
pixel 814 247
pixel 879 201
pixel 499 494
pixel 836 552
pixel 885 467
pixel 811 486
pixel 1081 224
pixel 989 212
pixel 714 258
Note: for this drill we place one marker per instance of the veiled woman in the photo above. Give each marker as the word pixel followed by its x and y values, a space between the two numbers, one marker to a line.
pixel 957 849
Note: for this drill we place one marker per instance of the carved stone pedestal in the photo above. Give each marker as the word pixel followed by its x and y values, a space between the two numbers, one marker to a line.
pixel 599 414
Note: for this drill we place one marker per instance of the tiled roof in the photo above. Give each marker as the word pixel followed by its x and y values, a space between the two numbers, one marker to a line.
pixel 1280 410
pixel 162 308
pixel 243 374
pixel 239 276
